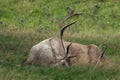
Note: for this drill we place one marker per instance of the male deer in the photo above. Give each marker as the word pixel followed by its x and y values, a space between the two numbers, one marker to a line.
pixel 55 51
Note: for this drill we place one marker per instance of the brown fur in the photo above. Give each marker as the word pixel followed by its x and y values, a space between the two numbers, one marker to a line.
pixel 85 54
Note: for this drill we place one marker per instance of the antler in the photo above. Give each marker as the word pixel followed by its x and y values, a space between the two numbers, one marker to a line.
pixel 64 27
pixel 61 36
pixel 99 58
pixel 67 51
pixel 70 14
pixel 103 51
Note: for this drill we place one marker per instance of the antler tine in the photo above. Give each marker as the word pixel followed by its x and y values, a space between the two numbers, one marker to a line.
pixel 100 57
pixel 61 35
pixel 103 51
pixel 67 51
pixel 70 14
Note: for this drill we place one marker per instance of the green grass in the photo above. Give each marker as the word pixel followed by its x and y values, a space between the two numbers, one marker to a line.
pixel 27 22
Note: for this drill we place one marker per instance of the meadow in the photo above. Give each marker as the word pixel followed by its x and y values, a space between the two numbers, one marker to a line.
pixel 24 23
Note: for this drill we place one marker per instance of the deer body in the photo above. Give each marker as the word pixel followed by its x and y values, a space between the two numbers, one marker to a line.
pixel 48 51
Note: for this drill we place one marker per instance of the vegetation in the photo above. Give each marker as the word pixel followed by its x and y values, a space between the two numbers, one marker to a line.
pixel 24 23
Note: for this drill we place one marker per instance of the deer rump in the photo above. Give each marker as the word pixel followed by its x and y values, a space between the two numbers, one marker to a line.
pixel 46 52
pixel 50 51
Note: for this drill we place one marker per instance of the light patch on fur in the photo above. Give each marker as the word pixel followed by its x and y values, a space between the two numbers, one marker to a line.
pixel 55 45
pixel 43 44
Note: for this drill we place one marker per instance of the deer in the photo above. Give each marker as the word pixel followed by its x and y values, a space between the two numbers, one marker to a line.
pixel 58 52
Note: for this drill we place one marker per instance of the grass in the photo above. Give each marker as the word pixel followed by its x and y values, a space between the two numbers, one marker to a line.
pixel 27 22
pixel 15 49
